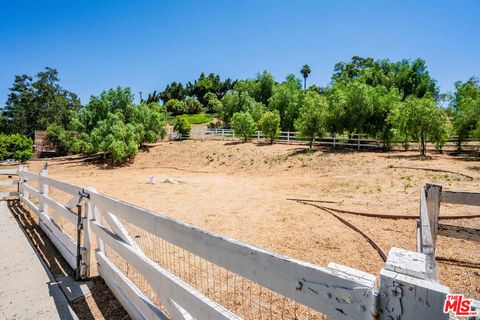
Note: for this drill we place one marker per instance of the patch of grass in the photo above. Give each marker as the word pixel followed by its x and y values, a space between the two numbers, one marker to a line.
pixel 198 118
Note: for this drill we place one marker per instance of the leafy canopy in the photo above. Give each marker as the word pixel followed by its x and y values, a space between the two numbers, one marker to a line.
pixel 269 124
pixel 36 102
pixel 244 125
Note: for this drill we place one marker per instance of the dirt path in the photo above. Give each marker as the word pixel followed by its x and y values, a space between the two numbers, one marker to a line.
pixel 241 191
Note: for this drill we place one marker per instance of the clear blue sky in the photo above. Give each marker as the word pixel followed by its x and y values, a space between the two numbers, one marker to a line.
pixel 96 45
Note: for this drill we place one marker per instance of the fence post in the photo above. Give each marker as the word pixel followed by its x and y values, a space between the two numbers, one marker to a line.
pixel 358 142
pixel 405 291
pixel 43 189
pixel 258 136
pixel 334 140
pixel 288 136
pixel 433 193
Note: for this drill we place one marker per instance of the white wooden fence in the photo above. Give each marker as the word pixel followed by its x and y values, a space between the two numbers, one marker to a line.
pixel 10 183
pixel 357 141
pixel 111 241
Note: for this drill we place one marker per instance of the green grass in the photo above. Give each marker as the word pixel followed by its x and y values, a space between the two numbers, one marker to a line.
pixel 194 118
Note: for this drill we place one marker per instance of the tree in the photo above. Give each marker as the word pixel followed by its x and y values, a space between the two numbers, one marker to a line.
pixel 193 106
pixel 173 91
pixel 235 101
pixel 213 104
pixel 182 125
pixel 305 71
pixel 311 122
pixel 150 122
pixel 421 119
pixel 115 138
pixel 208 84
pixel 466 109
pixel 269 124
pixel 260 88
pixel 244 125
pixel 176 107
pixel 286 99
pixel 33 103
pixel 409 77
pixel 117 101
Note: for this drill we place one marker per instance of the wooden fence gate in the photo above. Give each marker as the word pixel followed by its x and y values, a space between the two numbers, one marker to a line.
pixel 160 268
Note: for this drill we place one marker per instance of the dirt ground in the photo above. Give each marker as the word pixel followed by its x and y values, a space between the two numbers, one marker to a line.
pixel 242 191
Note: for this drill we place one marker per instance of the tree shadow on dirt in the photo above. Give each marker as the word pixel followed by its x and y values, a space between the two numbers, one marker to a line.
pixel 104 302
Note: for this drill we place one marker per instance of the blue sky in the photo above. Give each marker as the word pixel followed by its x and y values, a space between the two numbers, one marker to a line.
pixel 96 45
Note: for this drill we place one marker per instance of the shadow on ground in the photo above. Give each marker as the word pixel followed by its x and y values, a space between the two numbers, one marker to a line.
pixel 101 303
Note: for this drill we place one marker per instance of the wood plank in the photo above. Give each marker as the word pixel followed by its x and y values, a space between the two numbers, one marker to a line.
pixel 8 182
pixel 8 194
pixel 428 247
pixel 30 204
pixel 8 171
pixel 276 272
pixel 60 210
pixel 66 254
pixel 63 186
pixel 67 241
pixel 32 191
pixel 461 197
pixel 28 175
pixel 165 285
pixel 433 192
pixel 133 299
pixel 459 232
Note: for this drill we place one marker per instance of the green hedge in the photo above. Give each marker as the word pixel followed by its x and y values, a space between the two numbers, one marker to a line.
pixel 15 146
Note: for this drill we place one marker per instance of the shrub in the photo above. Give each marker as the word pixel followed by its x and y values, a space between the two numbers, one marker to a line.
pixel 115 138
pixel 16 146
pixel 269 124
pixel 150 121
pixel 212 103
pixel 243 124
pixel 182 125
pixel 176 107
pixel 193 106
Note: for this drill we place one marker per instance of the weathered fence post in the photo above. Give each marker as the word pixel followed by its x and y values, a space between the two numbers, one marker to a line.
pixel 223 134
pixel 358 142
pixel 433 193
pixel 258 136
pixel 288 136
pixel 405 290
pixel 334 140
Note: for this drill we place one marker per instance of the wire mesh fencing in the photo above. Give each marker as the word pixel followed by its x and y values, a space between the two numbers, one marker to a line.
pixel 238 294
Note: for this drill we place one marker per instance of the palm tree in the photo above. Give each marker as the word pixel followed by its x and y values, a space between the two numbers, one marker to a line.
pixel 305 71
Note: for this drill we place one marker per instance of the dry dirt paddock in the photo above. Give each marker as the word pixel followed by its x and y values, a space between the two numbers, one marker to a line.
pixel 241 191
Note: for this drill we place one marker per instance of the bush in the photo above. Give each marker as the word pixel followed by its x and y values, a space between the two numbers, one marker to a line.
pixel 16 146
pixel 269 124
pixel 149 121
pixel 176 107
pixel 243 124
pixel 193 106
pixel 182 125
pixel 115 138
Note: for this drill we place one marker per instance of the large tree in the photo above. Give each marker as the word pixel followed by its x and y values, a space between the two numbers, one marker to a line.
pixel 410 77
pixel 466 109
pixel 36 102
pixel 421 119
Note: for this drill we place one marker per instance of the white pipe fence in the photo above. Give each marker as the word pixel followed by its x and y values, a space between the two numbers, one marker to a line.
pixel 161 268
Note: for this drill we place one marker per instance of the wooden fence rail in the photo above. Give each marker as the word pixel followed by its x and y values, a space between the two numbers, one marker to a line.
pixel 112 234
